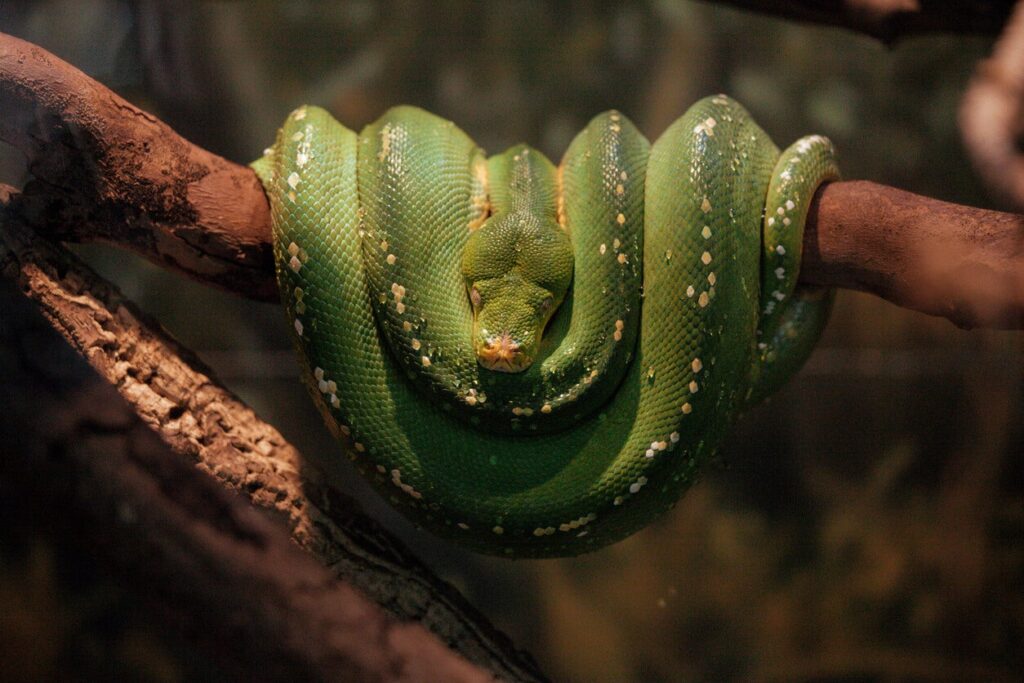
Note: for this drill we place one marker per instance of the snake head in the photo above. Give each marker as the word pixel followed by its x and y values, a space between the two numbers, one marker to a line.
pixel 517 269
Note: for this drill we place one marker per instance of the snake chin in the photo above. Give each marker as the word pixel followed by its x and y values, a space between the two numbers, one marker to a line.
pixel 502 353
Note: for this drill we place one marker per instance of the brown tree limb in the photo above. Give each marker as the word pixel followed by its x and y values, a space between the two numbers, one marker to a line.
pixel 889 20
pixel 992 111
pixel 132 181
pixel 173 393
pixel 80 468
pixel 957 262
pixel 104 169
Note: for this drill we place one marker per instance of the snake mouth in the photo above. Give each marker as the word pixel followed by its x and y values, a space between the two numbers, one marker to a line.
pixel 502 353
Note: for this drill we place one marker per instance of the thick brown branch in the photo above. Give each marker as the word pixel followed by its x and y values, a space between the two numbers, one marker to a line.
pixel 106 170
pixel 889 20
pixel 943 259
pixel 80 468
pixel 954 261
pixel 175 395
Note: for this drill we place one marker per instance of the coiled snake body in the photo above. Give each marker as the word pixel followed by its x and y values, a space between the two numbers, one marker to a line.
pixel 419 276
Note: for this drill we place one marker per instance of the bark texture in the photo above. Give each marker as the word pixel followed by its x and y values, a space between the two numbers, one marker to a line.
pixel 172 392
pixel 103 169
pixel 81 467
pixel 957 262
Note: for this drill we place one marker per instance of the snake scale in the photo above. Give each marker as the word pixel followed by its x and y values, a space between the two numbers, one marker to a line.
pixel 534 360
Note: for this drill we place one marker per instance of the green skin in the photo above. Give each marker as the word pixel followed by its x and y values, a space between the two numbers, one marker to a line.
pixel 518 265
pixel 472 328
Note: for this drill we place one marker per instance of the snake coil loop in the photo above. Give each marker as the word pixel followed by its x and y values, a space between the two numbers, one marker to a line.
pixel 412 267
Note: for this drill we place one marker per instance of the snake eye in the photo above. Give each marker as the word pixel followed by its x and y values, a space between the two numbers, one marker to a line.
pixel 474 296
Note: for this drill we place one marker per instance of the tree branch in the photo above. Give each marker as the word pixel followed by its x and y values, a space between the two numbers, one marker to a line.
pixel 80 467
pixel 943 259
pixel 105 170
pixel 175 395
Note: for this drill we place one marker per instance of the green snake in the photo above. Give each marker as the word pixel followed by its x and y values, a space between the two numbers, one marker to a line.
pixel 534 360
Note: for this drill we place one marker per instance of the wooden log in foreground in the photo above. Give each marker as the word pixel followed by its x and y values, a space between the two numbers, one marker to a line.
pixel 80 468
pixel 212 432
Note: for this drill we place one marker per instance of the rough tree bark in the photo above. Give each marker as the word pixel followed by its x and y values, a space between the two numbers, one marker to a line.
pixel 105 170
pixel 171 391
pixel 193 552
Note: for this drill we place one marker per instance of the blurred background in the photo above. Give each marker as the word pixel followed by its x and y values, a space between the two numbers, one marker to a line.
pixel 866 524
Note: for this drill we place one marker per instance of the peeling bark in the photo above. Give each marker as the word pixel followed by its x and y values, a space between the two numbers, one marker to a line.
pixel 82 468
pixel 175 395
